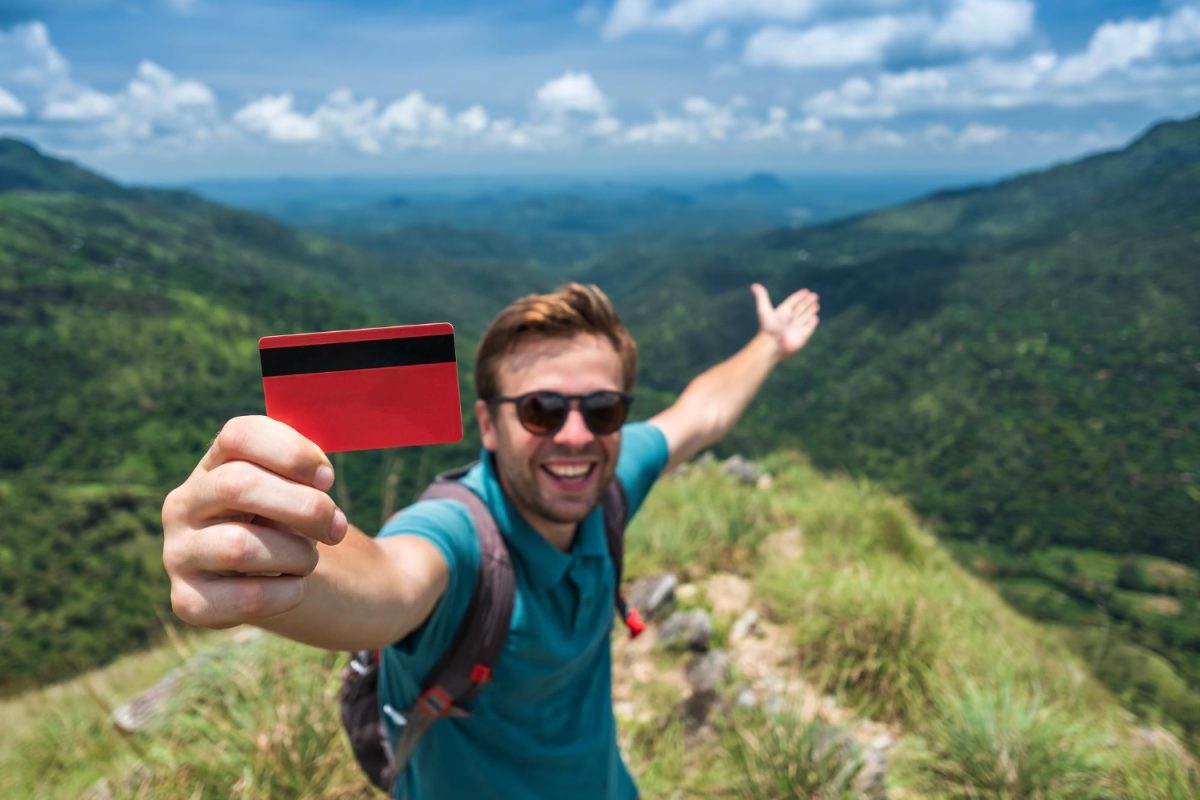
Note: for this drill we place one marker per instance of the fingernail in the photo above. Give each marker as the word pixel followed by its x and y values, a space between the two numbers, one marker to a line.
pixel 324 478
pixel 337 531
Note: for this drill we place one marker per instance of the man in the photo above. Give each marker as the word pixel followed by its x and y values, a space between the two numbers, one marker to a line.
pixel 252 537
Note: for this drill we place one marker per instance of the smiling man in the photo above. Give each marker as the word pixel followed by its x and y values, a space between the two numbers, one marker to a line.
pixel 253 537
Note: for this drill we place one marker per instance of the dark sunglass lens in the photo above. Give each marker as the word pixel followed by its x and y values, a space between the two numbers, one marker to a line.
pixel 605 411
pixel 542 412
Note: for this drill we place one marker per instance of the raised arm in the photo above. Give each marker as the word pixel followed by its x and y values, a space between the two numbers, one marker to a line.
pixel 252 537
pixel 714 401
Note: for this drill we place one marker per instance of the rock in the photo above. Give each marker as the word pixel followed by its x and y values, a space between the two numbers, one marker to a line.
pixel 765 482
pixel 745 698
pixel 137 713
pixel 744 626
pixel 696 708
pixel 728 594
pixel 706 672
pixel 653 595
pixel 686 629
pixel 871 781
pixel 100 790
pixel 741 470
pixel 774 690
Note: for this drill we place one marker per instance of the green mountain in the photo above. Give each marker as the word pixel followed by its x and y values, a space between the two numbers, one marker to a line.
pixel 1021 360
pixel 128 328
pixel 22 167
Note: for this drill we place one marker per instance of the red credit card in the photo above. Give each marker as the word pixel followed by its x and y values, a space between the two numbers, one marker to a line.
pixel 365 389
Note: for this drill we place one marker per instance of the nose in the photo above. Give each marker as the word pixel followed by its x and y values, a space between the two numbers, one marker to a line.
pixel 574 432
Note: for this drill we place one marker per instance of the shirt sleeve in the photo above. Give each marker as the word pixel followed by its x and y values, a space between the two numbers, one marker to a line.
pixel 447 525
pixel 644 453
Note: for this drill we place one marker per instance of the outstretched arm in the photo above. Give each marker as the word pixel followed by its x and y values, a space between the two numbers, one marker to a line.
pixel 714 401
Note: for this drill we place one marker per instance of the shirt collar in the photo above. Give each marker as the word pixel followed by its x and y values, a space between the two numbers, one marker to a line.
pixel 547 564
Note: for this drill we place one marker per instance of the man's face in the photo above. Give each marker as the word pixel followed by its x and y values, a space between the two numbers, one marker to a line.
pixel 556 480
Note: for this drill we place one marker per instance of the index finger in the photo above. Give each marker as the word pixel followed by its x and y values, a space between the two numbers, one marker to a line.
pixel 273 445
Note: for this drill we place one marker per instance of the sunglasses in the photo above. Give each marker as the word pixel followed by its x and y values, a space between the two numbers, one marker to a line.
pixel 544 413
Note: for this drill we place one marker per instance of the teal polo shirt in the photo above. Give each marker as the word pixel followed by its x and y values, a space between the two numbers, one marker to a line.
pixel 544 727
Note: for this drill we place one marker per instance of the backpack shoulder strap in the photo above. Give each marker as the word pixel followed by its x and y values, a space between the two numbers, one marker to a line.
pixel 467 664
pixel 616 513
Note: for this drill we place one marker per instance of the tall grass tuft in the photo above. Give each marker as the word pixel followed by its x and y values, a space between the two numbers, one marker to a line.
pixel 260 722
pixel 1159 775
pixel 783 756
pixel 869 635
pixel 1006 742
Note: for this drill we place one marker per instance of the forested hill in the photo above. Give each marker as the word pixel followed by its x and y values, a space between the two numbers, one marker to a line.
pixel 128 325
pixel 1021 360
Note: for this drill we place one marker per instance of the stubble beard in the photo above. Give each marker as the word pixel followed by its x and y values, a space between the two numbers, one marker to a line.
pixel 520 482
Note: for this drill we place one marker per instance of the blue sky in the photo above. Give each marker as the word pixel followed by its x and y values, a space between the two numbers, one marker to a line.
pixel 166 90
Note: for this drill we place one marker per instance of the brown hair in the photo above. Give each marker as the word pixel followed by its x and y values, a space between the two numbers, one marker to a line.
pixel 569 310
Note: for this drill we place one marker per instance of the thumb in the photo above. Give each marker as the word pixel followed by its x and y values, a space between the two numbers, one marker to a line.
pixel 762 301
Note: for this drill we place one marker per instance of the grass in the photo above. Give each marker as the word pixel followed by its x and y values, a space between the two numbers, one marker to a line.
pixel 987 704
pixel 785 756
pixel 1008 742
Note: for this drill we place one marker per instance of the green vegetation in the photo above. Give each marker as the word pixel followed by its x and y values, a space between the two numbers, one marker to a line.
pixel 999 709
pixel 1019 361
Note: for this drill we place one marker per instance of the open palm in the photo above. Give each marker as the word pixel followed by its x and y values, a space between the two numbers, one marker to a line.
pixel 792 322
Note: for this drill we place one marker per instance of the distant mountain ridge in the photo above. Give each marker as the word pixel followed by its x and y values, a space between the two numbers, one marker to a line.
pixel 24 168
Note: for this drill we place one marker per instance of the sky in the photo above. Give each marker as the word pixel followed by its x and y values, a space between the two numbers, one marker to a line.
pixel 172 90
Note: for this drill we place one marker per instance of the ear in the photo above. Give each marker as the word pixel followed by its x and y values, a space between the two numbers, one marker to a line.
pixel 487 425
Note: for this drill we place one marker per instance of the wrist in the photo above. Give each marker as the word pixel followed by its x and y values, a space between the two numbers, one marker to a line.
pixel 770 345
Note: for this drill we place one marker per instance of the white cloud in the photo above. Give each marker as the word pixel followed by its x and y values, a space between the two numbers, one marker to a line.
pixel 1118 46
pixel 571 93
pixel 473 120
pixel 28 58
pixel 79 105
pixel 272 117
pixel 413 119
pixel 977 135
pixel 342 120
pixel 700 122
pixel 839 44
pixel 687 16
pixel 154 107
pixel 974 25
pixel 1128 61
pixel 10 106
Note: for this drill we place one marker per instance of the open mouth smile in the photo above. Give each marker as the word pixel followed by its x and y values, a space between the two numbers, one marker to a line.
pixel 570 476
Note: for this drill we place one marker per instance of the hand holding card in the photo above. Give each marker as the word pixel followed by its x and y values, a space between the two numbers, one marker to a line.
pixel 365 389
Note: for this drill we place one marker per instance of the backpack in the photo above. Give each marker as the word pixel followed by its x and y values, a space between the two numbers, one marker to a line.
pixel 466 666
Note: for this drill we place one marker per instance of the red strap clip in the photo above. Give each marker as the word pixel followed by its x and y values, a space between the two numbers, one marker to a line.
pixel 633 620
pixel 434 703
pixel 480 674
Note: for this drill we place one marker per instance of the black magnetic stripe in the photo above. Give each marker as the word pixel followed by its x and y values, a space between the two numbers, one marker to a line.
pixel 370 354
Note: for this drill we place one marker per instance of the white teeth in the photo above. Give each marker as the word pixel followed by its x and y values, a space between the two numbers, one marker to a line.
pixel 563 471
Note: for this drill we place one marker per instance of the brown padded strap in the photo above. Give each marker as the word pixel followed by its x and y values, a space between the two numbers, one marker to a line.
pixel 480 638
pixel 481 635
